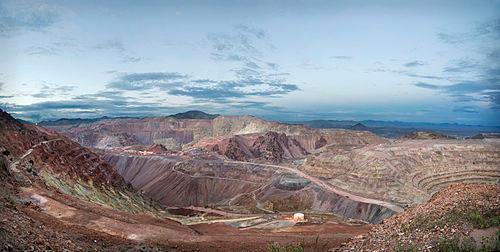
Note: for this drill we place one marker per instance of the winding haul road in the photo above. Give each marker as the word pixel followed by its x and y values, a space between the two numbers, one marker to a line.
pixel 326 186
pixel 13 166
pixel 318 182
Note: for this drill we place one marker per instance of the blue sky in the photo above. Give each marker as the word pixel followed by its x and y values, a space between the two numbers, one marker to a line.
pixel 430 61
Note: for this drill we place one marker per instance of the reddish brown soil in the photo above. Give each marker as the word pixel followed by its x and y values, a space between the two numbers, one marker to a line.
pixel 29 227
pixel 312 236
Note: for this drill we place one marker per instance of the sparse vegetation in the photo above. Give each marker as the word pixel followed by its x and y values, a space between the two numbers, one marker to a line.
pixel 486 219
pixel 6 198
pixel 126 201
pixel 467 245
pixel 455 245
pixel 10 201
pixel 477 219
pixel 275 247
pixel 406 248
pixel 489 219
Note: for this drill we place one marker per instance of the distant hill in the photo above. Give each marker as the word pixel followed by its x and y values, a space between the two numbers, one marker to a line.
pixel 23 121
pixel 360 126
pixel 194 114
pixel 485 136
pixel 69 121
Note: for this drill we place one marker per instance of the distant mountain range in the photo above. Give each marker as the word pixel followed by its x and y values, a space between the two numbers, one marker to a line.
pixel 396 129
pixel 192 114
pixel 389 129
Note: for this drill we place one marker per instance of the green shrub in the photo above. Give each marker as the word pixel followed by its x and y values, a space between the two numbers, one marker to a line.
pixel 455 246
pixel 467 246
pixel 493 247
pixel 483 220
pixel 486 219
pixel 476 218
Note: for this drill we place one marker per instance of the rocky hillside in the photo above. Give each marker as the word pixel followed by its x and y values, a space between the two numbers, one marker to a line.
pixel 276 147
pixel 458 218
pixel 270 146
pixel 37 150
pixel 46 160
pixel 25 226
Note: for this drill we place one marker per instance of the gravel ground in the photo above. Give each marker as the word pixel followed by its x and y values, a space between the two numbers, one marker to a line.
pixel 459 215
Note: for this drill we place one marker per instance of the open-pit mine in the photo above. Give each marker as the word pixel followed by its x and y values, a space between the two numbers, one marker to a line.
pixel 220 183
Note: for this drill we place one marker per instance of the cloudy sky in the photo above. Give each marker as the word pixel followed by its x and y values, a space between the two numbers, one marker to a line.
pixel 428 61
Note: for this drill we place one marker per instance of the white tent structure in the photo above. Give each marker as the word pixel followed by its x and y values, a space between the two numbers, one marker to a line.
pixel 298 217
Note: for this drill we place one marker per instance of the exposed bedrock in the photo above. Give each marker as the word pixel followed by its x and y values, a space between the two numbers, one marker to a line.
pixel 252 187
pixel 271 146
pixel 276 147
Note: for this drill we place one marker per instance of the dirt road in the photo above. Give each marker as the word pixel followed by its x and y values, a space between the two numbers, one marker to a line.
pixel 13 166
pixel 326 186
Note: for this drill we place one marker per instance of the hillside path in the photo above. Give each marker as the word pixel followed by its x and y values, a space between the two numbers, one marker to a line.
pixel 13 166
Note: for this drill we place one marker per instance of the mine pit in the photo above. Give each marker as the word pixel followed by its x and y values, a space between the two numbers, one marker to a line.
pixel 347 183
